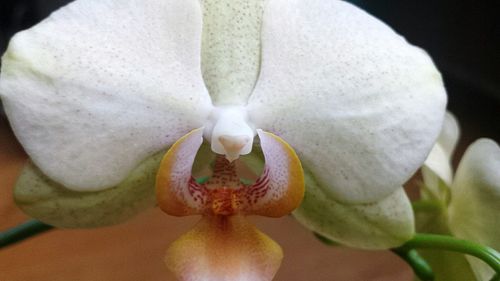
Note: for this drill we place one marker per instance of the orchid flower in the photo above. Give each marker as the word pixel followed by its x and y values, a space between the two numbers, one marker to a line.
pixel 470 199
pixel 99 91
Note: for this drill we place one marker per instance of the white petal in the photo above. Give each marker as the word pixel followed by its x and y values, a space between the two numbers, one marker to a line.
pixel 450 133
pixel 439 163
pixel 380 225
pixel 475 196
pixel 102 84
pixel 437 173
pixel 359 104
pixel 437 167
pixel 482 271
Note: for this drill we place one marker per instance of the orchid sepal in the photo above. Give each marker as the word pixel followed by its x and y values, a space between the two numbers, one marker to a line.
pixel 384 224
pixel 54 204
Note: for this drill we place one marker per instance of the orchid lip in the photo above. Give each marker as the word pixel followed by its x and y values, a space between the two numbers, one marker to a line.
pixel 223 245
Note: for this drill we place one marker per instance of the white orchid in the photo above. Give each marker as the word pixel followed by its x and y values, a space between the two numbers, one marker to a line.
pixel 469 200
pixel 98 91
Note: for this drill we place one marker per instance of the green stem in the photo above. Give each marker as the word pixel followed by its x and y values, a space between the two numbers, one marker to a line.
pixel 22 231
pixel 421 268
pixel 448 243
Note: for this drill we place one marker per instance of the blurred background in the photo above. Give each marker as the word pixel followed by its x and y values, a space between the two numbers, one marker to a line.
pixel 461 36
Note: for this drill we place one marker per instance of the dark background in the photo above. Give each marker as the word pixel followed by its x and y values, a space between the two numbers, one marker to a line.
pixel 461 36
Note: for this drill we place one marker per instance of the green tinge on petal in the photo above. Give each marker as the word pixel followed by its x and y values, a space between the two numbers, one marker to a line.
pixel 230 51
pixel 450 133
pixel 384 224
pixel 482 271
pixel 475 198
pixel 448 265
pixel 52 203
pixel 439 163
pixel 437 170
pixel 434 188
pixel 445 265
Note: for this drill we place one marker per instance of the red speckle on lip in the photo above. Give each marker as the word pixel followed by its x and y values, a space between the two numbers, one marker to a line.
pixel 224 194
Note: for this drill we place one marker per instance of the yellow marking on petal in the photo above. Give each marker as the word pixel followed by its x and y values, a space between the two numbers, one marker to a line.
pixel 292 192
pixel 277 192
pixel 223 245
pixel 224 248
pixel 171 186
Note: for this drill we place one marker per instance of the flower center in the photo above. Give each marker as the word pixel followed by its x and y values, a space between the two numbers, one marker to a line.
pixel 230 132
pixel 224 194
